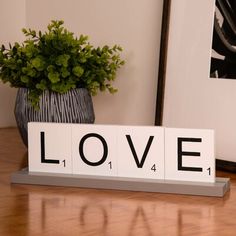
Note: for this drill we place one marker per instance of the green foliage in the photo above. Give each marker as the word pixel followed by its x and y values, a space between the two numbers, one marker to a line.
pixel 58 61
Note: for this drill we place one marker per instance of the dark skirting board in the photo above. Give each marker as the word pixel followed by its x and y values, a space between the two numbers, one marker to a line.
pixel 223 165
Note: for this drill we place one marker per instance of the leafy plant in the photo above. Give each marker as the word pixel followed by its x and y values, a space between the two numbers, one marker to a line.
pixel 58 61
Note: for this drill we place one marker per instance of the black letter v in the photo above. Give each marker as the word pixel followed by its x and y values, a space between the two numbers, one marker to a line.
pixel 140 164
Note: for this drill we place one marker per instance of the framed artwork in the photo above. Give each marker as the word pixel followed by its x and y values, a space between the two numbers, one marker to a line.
pixel 223 57
pixel 197 83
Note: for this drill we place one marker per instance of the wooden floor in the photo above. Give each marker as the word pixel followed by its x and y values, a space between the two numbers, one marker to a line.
pixel 42 210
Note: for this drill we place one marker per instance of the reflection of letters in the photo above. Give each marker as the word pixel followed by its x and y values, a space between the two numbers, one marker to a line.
pixel 43 158
pixel 103 216
pixel 140 215
pixel 139 164
pixel 185 217
pixel 81 149
pixel 182 153
pixel 48 203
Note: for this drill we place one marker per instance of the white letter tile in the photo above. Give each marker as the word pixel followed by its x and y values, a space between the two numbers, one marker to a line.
pixel 49 147
pixel 141 152
pixel 94 149
pixel 189 155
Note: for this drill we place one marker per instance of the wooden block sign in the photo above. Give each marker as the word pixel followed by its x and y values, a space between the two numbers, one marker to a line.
pixel 122 151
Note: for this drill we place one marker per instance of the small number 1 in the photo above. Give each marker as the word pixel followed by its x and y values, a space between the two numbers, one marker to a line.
pixel 64 161
pixel 209 169
pixel 110 164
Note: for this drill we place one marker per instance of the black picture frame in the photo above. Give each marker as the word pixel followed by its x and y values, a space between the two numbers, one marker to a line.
pixel 224 165
pixel 162 62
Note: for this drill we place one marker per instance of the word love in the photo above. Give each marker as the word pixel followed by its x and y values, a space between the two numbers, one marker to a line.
pixel 122 151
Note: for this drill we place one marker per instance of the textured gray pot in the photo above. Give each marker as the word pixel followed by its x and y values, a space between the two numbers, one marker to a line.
pixel 75 106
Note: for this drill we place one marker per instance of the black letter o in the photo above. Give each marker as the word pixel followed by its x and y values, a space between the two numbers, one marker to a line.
pixel 81 150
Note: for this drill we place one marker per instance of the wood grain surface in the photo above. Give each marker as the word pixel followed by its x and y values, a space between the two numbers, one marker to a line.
pixel 42 210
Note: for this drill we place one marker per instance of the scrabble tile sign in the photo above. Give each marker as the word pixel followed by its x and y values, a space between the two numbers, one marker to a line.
pixel 134 158
pixel 154 153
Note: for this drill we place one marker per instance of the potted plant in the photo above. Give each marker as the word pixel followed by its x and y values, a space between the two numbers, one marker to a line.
pixel 56 73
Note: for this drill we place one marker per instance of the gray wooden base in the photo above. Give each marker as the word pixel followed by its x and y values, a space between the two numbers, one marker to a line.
pixel 217 189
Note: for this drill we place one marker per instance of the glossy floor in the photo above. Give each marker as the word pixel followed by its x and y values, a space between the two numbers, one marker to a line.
pixel 42 210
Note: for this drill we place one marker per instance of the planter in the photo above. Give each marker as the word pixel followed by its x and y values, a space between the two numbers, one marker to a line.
pixel 75 106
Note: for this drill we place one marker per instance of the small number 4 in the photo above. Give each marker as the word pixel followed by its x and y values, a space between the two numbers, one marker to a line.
pixel 154 168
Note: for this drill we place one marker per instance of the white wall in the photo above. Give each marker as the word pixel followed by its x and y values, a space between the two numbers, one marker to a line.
pixel 135 25
pixel 12 19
